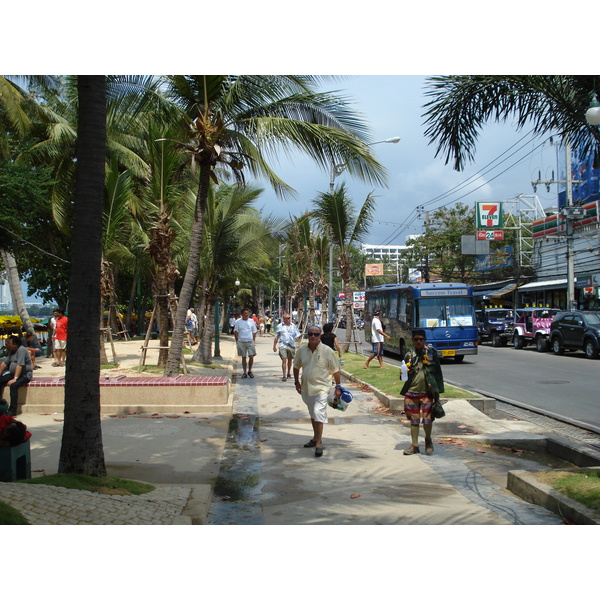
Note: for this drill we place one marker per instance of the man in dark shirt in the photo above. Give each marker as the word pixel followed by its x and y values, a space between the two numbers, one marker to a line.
pixel 15 370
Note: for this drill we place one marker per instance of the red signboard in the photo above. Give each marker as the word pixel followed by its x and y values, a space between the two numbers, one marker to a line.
pixel 490 235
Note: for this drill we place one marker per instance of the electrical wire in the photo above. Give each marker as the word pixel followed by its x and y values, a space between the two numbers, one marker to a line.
pixel 522 143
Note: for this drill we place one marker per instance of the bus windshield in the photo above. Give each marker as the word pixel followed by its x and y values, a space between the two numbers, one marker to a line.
pixel 444 312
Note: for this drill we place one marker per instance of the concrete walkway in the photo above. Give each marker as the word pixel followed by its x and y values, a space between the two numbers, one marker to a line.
pixel 253 468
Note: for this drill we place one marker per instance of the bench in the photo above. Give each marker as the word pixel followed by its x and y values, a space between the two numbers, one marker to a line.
pixel 128 395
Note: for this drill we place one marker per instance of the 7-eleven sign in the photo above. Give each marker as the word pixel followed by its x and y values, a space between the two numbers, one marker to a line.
pixel 489 214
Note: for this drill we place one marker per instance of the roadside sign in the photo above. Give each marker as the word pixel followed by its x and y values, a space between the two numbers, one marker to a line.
pixel 489 214
pixel 490 235
pixel 373 269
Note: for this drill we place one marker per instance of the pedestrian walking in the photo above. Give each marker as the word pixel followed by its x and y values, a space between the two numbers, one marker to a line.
pixel 377 335
pixel 319 365
pixel 330 339
pixel 244 332
pixel 287 337
pixel 425 382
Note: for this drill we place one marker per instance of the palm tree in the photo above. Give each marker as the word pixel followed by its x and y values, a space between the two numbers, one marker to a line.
pixel 459 105
pixel 16 293
pixel 81 450
pixel 336 213
pixel 235 246
pixel 237 122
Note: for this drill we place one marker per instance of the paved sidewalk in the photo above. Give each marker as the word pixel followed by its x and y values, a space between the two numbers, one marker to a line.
pixel 253 468
pixel 268 477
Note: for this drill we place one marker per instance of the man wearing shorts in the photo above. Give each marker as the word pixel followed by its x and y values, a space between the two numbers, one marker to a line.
pixel 244 332
pixel 424 381
pixel 318 363
pixel 286 338
pixel 377 335
pixel 60 338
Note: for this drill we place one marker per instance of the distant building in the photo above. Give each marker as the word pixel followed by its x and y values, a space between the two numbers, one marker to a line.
pixel 382 252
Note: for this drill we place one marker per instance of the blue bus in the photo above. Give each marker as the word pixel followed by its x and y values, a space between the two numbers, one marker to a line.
pixel 445 310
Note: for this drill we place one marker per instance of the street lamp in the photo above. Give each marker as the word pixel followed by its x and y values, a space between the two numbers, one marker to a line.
pixel 592 115
pixel 336 171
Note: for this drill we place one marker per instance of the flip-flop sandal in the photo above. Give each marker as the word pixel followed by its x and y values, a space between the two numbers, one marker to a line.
pixel 250 374
pixel 55 365
pixel 244 376
pixel 284 379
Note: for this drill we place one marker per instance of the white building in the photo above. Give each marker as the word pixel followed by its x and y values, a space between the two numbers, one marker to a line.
pixel 382 252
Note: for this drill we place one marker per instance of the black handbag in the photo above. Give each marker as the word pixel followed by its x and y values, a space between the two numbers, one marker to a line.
pixel 437 410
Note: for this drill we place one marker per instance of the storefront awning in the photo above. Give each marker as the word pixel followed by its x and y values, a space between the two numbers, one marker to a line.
pixel 507 289
pixel 550 284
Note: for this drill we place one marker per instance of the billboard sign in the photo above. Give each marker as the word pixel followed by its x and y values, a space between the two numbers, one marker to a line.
pixel 374 269
pixel 489 214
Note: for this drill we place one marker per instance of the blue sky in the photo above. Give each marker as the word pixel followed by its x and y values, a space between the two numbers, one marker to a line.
pixel 392 105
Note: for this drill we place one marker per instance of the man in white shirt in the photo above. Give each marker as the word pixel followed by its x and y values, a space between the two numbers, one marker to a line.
pixel 319 364
pixel 244 332
pixel 377 335
pixel 287 338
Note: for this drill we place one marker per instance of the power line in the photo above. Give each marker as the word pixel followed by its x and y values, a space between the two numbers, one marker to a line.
pixel 522 142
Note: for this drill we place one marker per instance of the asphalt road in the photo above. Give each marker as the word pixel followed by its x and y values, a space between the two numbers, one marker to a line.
pixel 565 387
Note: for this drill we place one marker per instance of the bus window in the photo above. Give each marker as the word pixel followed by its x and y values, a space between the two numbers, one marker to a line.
pixel 444 312
pixel 402 298
pixel 393 308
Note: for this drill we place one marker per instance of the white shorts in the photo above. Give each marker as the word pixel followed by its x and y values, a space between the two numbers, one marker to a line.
pixel 60 344
pixel 317 406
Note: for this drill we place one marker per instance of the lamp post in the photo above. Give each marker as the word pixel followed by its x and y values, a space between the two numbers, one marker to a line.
pixel 592 115
pixel 281 246
pixel 336 171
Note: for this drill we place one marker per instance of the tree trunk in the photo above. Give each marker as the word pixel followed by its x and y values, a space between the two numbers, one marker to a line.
pixel 103 356
pixel 191 273
pixel 81 449
pixel 162 317
pixel 16 293
pixel 205 351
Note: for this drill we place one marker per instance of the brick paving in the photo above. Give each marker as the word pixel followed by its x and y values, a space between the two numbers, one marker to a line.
pixel 50 505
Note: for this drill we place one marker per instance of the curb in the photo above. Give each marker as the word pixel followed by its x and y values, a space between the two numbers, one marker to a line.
pixel 526 486
pixel 395 403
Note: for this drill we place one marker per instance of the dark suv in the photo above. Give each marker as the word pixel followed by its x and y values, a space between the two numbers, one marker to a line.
pixel 576 330
pixel 495 324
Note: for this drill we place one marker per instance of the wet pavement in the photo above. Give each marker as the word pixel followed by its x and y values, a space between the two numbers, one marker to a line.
pixel 268 477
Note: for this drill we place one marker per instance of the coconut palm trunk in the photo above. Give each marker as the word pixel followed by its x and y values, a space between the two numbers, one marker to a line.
pixel 191 274
pixel 16 293
pixel 81 449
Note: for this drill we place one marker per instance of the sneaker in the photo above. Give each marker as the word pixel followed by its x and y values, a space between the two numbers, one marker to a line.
pixel 412 450
pixel 428 446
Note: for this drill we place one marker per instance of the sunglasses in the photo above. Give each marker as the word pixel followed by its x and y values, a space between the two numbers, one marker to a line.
pixel 313 333
pixel 419 339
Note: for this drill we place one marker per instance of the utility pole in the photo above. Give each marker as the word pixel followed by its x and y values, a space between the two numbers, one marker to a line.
pixel 426 248
pixel 570 213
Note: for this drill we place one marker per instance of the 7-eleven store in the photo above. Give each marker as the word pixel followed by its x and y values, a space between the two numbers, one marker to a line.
pixel 550 260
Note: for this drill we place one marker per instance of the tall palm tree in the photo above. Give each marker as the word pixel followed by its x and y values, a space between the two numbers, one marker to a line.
pixel 459 105
pixel 336 213
pixel 300 251
pixel 81 450
pixel 237 122
pixel 235 246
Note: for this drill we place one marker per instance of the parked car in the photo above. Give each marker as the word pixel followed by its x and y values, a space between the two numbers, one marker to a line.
pixel 495 324
pixel 532 326
pixel 576 330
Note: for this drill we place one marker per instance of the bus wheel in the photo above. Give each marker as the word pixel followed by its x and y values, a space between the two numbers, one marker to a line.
pixel 459 358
